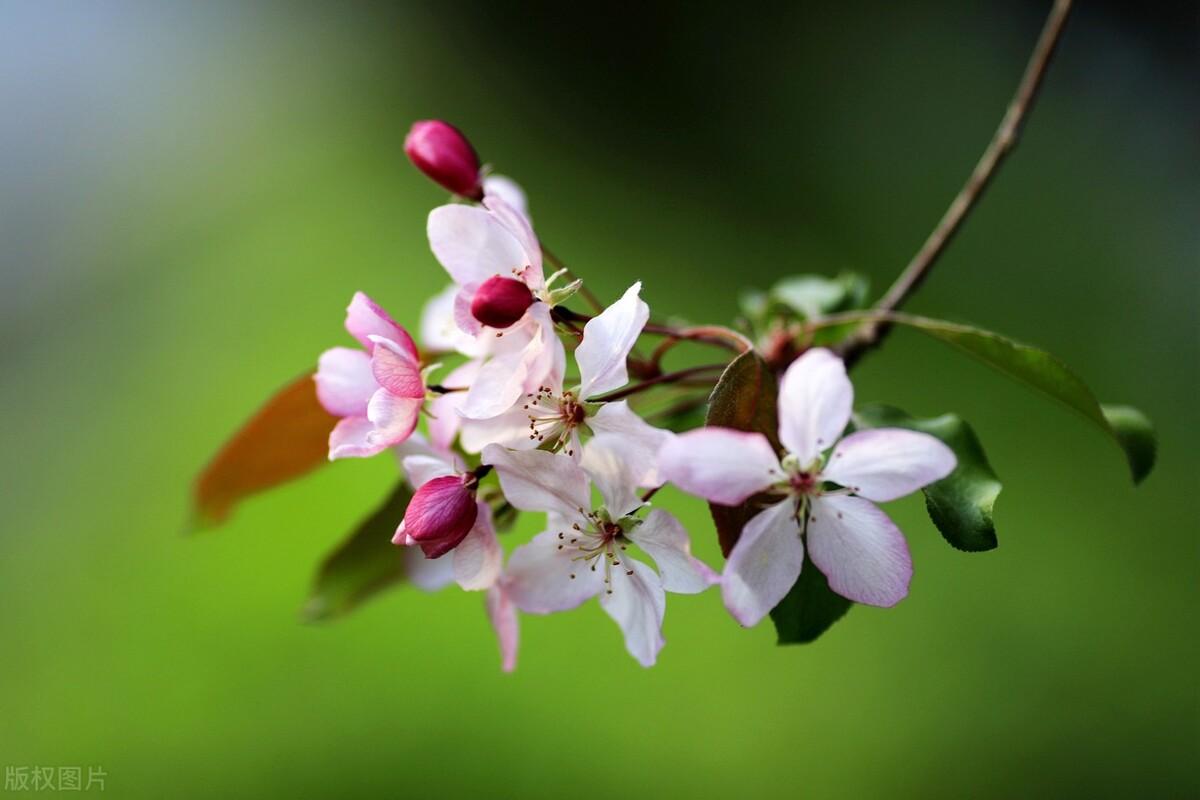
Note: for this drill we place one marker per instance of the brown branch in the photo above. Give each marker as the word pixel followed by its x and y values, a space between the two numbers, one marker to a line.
pixel 584 291
pixel 1002 144
pixel 658 380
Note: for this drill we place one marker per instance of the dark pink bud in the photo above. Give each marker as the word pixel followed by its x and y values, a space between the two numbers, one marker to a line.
pixel 501 301
pixel 441 514
pixel 441 151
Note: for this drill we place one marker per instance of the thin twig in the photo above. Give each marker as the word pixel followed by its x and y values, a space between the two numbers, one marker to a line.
pixel 1001 145
pixel 670 377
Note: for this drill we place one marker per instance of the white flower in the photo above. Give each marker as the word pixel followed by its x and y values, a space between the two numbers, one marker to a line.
pixel 584 550
pixel 825 499
pixel 551 418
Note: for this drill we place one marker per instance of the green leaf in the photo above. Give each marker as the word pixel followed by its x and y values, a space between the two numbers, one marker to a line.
pixel 960 504
pixel 363 565
pixel 809 608
pixel 744 398
pixel 1129 428
pixel 813 296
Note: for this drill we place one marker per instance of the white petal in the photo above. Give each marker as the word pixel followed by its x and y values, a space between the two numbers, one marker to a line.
pixel 860 550
pixel 428 574
pixel 510 429
pixel 421 469
pixel 503 616
pixel 607 339
pixel 665 540
pixel 444 420
pixel 638 443
pixel 815 398
pixel 539 576
pixel 535 480
pixel 637 604
pixel 517 224
pixel 720 464
pixel 509 191
pixel 613 476
pixel 439 329
pixel 508 376
pixel 477 558
pixel 472 244
pixel 345 382
pixel 885 463
pixel 764 564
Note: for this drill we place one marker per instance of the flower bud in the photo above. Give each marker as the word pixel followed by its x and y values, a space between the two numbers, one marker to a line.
pixel 440 151
pixel 440 515
pixel 501 301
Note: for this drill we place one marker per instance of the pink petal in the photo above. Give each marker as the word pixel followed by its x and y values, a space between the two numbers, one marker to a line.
pixel 345 382
pixel 607 339
pixel 507 190
pixel 394 418
pixel 473 245
pixel 444 420
pixel 886 463
pixel 637 604
pixel 365 318
pixel 439 329
pixel 720 464
pixel 665 540
pixel 764 564
pixel 427 574
pixel 477 558
pixel 351 438
pixel 860 550
pixel 815 399
pixel 503 615
pixel 536 480
pixel 539 575
pixel 395 370
pixel 463 317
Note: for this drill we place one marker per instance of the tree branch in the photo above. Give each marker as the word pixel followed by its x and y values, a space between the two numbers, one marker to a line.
pixel 1002 144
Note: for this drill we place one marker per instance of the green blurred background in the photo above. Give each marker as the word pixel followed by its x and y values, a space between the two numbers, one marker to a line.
pixel 190 193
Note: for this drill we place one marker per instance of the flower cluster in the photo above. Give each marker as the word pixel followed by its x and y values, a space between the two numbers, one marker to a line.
pixel 524 410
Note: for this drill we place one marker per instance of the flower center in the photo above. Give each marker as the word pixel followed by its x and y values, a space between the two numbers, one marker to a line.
pixel 804 483
pixel 597 542
pixel 554 418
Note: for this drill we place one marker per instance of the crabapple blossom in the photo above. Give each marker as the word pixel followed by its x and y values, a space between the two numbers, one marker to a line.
pixel 824 501
pixel 448 523
pixel 554 419
pixel 377 391
pixel 445 155
pixel 584 550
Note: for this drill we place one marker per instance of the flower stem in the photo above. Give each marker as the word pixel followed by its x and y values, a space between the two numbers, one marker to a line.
pixel 658 380
pixel 1003 142
pixel 584 291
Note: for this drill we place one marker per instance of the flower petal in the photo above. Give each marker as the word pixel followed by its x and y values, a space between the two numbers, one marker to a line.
pixel 539 575
pixel 472 244
pixel 535 480
pixel 613 476
pixel 444 420
pixel 421 469
pixel 607 339
pixel 510 429
pixel 764 564
pixel 815 399
pixel 510 374
pixel 720 464
pixel 440 331
pixel 394 418
pixel 860 550
pixel 637 442
pixel 503 615
pixel 886 463
pixel 507 190
pixel 517 224
pixel 351 438
pixel 665 540
pixel 637 604
pixel 366 318
pixel 477 558
pixel 345 382
pixel 428 574
pixel 396 370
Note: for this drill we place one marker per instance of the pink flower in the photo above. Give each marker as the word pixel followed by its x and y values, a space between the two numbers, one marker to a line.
pixel 448 523
pixel 377 391
pixel 826 499
pixel 584 552
pixel 554 419
pixel 442 152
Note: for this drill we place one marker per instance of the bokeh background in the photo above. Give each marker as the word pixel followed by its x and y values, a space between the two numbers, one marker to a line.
pixel 190 193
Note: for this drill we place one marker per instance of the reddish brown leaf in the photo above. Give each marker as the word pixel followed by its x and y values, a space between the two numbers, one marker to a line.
pixel 288 437
pixel 745 399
